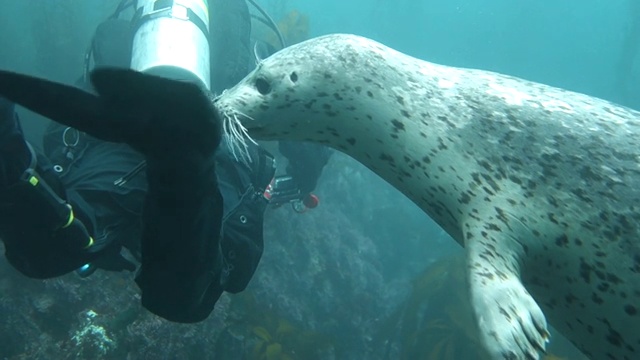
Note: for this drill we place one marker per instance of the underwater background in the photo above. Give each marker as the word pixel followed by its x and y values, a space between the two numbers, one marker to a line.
pixel 366 275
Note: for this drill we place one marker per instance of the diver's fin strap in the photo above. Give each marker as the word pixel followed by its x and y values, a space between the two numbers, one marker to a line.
pixel 57 210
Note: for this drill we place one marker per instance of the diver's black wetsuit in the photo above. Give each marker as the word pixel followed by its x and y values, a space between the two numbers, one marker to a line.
pixel 193 221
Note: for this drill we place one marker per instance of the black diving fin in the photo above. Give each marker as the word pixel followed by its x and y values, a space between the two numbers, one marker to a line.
pixel 64 104
pixel 149 113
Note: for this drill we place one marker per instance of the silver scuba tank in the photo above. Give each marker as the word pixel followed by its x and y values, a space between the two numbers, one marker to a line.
pixel 171 39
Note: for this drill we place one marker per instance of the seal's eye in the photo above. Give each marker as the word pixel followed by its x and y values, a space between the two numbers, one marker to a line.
pixel 293 77
pixel 263 86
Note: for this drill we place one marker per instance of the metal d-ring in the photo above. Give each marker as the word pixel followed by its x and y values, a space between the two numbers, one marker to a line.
pixel 64 137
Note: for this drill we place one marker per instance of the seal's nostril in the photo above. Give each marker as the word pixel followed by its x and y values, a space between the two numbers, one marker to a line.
pixel 293 77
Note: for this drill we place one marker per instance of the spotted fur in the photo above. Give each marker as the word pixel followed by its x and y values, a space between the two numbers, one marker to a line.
pixel 539 184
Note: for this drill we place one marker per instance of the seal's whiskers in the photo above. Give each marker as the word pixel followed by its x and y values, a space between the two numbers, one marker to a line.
pixel 237 134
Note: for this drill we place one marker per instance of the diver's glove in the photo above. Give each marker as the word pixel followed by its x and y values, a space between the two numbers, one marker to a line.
pixel 153 115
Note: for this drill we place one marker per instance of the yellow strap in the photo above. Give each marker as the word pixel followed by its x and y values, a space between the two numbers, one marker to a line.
pixel 70 221
pixel 71 217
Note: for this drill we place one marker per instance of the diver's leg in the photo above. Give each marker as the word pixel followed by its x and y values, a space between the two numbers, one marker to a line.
pixel 180 275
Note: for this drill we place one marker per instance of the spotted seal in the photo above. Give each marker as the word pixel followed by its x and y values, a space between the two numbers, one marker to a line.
pixel 537 183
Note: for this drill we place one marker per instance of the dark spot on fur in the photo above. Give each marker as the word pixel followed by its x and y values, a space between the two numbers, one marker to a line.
pixel 370 94
pixel 309 104
pixel 485 164
pixel 441 145
pixel 351 141
pixel 614 338
pixel 515 179
pixel 585 271
pixel 387 157
pixel 613 278
pixel 398 125
pixel 630 309
pixel 491 182
pixel 562 240
pixel 570 298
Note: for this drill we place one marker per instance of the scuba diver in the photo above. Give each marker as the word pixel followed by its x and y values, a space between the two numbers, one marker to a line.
pixel 178 200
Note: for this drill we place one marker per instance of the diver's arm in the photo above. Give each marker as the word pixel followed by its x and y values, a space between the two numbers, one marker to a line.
pixel 43 234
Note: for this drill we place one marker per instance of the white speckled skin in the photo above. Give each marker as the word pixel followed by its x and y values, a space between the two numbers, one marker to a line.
pixel 539 184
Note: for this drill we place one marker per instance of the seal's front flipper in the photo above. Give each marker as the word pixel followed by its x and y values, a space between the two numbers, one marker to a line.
pixel 512 325
pixel 61 103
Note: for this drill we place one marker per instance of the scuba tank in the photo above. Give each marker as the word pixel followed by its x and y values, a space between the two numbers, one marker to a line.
pixel 171 39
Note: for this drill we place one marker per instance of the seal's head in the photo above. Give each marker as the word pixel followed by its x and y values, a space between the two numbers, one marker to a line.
pixel 301 92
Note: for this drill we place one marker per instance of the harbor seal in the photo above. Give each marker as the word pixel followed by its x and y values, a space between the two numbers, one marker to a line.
pixel 540 185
